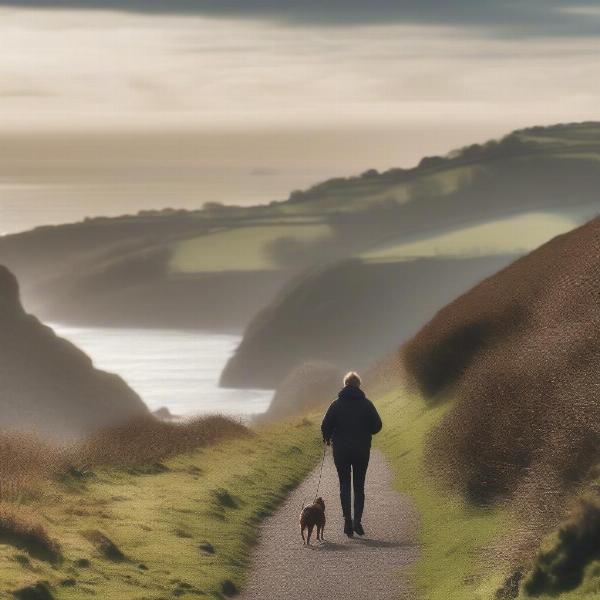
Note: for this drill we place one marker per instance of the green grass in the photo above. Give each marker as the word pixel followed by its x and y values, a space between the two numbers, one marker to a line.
pixel 460 545
pixel 244 248
pixel 578 141
pixel 186 527
pixel 454 537
pixel 521 233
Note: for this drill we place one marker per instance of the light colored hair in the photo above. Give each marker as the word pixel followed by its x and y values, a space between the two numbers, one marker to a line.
pixel 352 379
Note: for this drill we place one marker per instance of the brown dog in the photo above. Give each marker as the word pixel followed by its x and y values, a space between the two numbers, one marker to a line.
pixel 311 516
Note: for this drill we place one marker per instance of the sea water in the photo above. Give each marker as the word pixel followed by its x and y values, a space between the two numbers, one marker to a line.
pixel 176 369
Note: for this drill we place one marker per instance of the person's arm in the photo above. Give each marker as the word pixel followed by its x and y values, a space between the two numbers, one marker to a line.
pixel 375 419
pixel 328 424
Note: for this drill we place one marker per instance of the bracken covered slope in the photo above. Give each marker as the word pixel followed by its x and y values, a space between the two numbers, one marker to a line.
pixel 215 268
pixel 521 354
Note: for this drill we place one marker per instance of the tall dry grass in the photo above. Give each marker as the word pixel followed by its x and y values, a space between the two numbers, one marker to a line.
pixel 22 529
pixel 146 440
pixel 27 464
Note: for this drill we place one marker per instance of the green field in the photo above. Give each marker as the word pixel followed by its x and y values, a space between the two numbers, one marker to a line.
pixel 521 233
pixel 577 142
pixel 244 248
pixel 185 526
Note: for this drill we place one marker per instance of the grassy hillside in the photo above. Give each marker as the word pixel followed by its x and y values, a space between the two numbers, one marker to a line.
pixel 470 552
pixel 250 248
pixel 182 527
pixel 460 555
pixel 522 233
pixel 507 377
pixel 185 525
pixel 96 270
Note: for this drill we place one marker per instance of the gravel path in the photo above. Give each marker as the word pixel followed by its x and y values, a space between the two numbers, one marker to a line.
pixel 368 568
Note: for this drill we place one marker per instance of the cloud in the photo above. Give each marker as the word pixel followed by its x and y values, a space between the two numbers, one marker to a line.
pixel 138 71
pixel 524 17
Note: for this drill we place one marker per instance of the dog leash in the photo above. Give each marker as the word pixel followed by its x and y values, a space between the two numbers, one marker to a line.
pixel 320 477
pixel 321 473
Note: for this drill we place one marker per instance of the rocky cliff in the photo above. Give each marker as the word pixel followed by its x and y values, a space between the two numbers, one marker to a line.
pixel 46 383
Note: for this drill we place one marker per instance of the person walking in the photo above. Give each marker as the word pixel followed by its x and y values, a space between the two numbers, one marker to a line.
pixel 349 423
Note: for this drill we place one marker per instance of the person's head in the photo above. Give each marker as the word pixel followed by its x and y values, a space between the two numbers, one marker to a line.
pixel 352 379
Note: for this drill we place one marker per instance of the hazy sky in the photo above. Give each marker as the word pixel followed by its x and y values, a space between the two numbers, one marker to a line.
pixel 109 106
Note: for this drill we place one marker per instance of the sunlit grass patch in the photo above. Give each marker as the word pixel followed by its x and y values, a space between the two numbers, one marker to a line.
pixel 521 233
pixel 242 248
pixel 145 441
pixel 454 563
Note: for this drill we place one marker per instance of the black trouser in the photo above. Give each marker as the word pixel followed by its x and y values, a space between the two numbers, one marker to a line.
pixel 355 461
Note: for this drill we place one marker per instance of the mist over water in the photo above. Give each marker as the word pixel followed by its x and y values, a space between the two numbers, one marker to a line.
pixel 176 369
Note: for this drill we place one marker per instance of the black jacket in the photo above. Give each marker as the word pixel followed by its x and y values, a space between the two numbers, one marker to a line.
pixel 351 420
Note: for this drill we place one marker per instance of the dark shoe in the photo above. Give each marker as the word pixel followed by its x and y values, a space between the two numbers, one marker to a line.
pixel 348 530
pixel 358 528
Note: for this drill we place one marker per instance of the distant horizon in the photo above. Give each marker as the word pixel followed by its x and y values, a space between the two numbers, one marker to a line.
pixel 26 212
pixel 116 106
